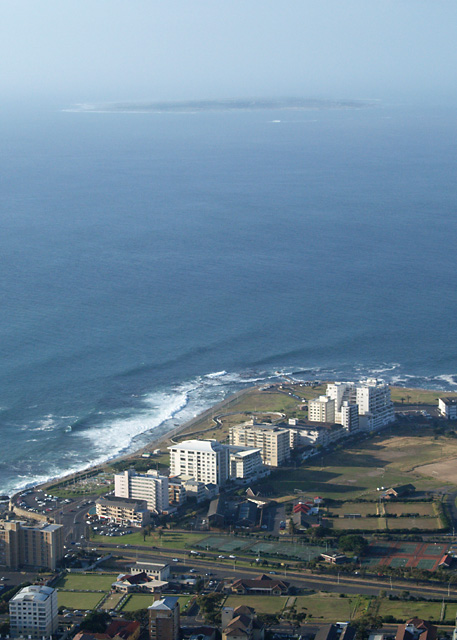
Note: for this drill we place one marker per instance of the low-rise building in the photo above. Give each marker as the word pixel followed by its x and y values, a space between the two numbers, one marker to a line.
pixel 262 585
pixel 241 624
pixel 138 582
pixel 416 629
pixel 339 631
pixel 126 511
pixel 34 612
pixel 156 570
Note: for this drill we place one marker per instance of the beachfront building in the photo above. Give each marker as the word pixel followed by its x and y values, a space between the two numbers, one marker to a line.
pixel 125 511
pixel 321 409
pixel 273 442
pixel 447 408
pixel 349 416
pixel 34 612
pixel 372 397
pixel 150 486
pixel 164 619
pixel 246 464
pixel 205 461
pixel 22 545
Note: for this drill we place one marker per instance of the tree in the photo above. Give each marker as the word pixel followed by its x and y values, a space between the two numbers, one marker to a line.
pixel 365 623
pixel 209 605
pixel 96 622
pixel 141 616
pixel 268 619
pixel 352 542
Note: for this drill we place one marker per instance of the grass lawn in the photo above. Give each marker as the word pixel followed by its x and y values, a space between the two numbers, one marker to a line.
pixel 385 460
pixel 418 396
pixel 262 604
pixel 422 508
pixel 363 508
pixel 410 523
pixel 358 524
pixel 144 600
pixel 252 401
pixel 78 600
pixel 87 581
pixel 330 607
pixel 424 610
pixel 169 539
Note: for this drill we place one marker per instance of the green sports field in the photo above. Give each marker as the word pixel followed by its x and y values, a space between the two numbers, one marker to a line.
pixel 87 581
pixel 78 600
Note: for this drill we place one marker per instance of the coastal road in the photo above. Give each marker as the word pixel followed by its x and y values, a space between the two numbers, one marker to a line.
pixel 332 583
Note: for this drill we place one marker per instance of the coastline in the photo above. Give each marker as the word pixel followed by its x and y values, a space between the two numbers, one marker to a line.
pixel 166 438
pixel 152 444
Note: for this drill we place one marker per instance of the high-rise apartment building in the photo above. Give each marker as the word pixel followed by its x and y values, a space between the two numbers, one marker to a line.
pixel 164 619
pixel 321 409
pixel 150 486
pixel 246 464
pixel 34 612
pixel 349 416
pixel 273 442
pixel 39 546
pixel 204 460
pixel 372 398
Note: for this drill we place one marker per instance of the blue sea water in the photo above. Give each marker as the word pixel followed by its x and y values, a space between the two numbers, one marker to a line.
pixel 153 263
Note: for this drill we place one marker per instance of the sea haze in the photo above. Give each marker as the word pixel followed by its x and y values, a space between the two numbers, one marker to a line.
pixel 152 263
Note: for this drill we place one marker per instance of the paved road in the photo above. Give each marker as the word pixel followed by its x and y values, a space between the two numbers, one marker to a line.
pixel 331 583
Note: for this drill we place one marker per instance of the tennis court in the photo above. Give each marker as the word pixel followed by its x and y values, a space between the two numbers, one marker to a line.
pixel 398 562
pixel 426 563
pixel 406 548
pixel 221 543
pixel 434 550
pixel 402 554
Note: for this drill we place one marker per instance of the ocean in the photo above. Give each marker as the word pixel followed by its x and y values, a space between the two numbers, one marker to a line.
pixel 153 263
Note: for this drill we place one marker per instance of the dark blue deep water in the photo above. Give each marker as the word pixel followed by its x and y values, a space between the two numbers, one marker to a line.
pixel 153 263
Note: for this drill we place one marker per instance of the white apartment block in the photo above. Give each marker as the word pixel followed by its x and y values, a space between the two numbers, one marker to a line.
pixel 273 442
pixel 372 397
pixel 349 416
pixel 150 486
pixel 245 463
pixel 34 612
pixel 447 408
pixel 206 461
pixel 321 409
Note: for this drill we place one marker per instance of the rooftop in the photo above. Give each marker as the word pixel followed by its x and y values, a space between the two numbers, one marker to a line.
pixel 209 446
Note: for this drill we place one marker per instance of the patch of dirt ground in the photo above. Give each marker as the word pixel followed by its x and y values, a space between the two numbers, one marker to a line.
pixel 445 470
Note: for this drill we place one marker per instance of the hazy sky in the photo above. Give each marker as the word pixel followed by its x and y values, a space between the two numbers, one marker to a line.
pixel 95 50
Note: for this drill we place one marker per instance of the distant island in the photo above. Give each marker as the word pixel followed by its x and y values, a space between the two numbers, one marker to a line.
pixel 192 106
